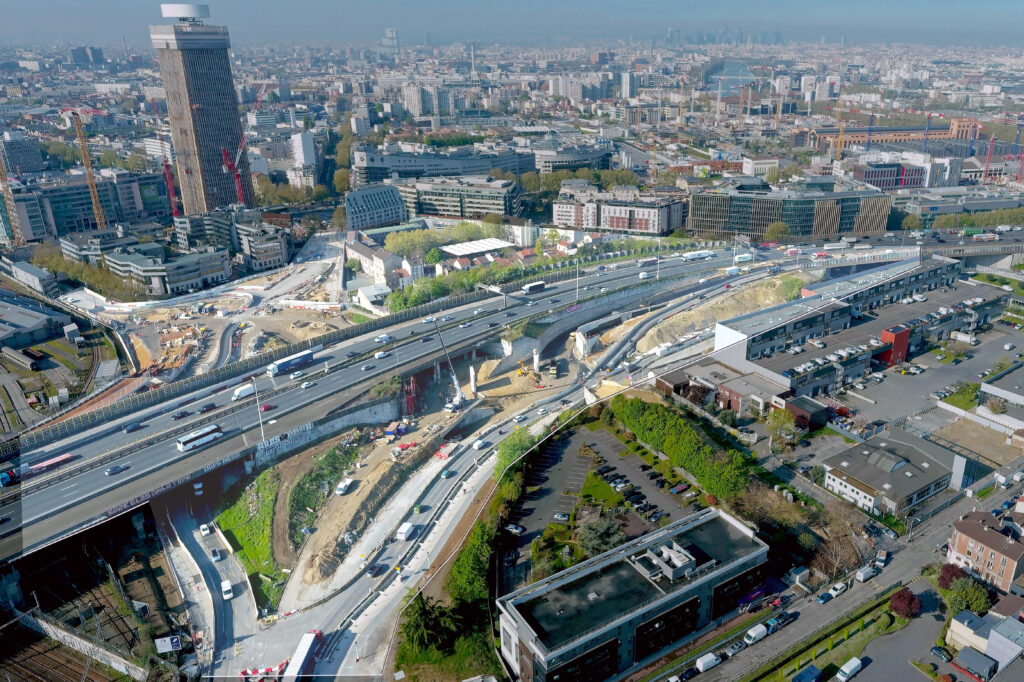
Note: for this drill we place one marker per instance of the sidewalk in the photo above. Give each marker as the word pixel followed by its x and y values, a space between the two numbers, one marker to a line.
pixel 198 601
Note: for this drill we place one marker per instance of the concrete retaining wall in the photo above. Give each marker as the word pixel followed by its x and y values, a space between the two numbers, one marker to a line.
pixel 386 410
pixel 91 649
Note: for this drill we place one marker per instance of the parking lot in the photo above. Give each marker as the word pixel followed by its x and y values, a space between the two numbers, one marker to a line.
pixel 634 468
pixel 901 394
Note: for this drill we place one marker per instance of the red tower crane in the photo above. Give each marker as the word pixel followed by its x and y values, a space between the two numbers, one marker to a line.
pixel 232 166
pixel 988 157
pixel 168 176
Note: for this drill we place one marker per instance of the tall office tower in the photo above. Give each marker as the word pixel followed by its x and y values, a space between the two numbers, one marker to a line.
pixel 202 106
pixel 390 42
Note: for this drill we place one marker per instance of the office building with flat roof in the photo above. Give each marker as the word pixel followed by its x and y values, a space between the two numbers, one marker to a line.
pixel 814 210
pixel 462 197
pixel 20 154
pixel 161 276
pixel 376 164
pixel 202 106
pixel 617 611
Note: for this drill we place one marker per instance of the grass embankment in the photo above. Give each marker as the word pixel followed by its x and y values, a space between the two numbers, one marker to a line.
pixel 313 490
pixel 247 526
pixel 965 397
pixel 829 432
pixel 471 652
pixel 1016 285
pixel 8 408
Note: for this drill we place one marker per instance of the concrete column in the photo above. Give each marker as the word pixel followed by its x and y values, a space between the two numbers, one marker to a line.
pixel 472 379
pixel 536 360
pixel 437 371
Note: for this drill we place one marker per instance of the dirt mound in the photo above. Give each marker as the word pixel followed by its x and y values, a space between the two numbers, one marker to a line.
pixel 741 301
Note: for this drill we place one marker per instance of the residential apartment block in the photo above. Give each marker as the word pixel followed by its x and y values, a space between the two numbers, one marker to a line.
pixel 989 548
pixel 375 206
pixel 623 210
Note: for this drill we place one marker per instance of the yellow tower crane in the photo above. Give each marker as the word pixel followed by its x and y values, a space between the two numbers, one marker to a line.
pixel 90 178
pixel 12 212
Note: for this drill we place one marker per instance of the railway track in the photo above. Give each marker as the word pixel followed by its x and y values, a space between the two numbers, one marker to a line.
pixel 32 658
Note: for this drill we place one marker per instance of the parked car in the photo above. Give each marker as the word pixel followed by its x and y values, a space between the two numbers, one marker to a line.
pixel 605 469
pixel 215 554
pixel 562 517
pixel 837 589
pixel 939 652
pixel 204 530
pixel 890 533
pixel 681 488
pixel 515 529
pixel 824 597
pixel 734 648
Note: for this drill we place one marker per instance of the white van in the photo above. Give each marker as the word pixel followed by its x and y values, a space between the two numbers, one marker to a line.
pixel 381 354
pixel 707 662
pixel 849 670
pixel 480 445
pixel 225 590
pixel 755 634
pixel 405 532
pixel 343 487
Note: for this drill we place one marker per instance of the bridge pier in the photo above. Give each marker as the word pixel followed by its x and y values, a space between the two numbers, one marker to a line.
pixel 437 371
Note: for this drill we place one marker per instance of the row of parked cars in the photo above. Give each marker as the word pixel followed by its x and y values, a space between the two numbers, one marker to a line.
pixel 944 393
pixel 752 637
pixel 620 484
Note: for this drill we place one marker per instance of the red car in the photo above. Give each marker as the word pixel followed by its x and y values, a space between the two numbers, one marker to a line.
pixel 266 408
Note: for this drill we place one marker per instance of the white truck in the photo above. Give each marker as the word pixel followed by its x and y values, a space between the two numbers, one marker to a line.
pixel 865 574
pixel 645 275
pixel 243 392
pixel 1008 346
pixel 343 487
pixel 755 634
pixel 732 272
pixel 964 337
pixel 849 670
pixel 405 532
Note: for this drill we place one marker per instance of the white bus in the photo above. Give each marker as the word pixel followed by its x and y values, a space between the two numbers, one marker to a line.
pixel 200 438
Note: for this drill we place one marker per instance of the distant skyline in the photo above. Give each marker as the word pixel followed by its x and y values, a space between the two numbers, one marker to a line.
pixel 935 22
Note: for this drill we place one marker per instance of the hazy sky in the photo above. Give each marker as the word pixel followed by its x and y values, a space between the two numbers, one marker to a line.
pixel 103 22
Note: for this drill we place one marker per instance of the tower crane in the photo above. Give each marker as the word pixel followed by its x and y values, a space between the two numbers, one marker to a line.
pixel 168 176
pixel 232 166
pixel 988 157
pixel 90 178
pixel 12 211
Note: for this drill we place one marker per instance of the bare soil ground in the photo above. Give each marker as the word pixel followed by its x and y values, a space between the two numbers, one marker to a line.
pixel 746 299
pixel 290 471
pixel 990 444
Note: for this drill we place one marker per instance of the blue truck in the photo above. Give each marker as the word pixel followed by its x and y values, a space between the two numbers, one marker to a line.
pixel 289 363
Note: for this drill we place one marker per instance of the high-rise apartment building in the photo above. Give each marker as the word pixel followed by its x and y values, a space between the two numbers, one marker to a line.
pixel 20 154
pixel 202 106
pixel 390 42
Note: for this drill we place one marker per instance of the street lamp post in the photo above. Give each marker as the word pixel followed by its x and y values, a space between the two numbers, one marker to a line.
pixel 259 412
pixel 577 279
pixel 657 276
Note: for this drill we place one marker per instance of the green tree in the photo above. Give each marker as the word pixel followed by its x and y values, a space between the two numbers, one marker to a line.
pixel 969 594
pixel 467 581
pixel 781 425
pixel 339 219
pixel 341 180
pixel 511 449
pixel 313 223
pixel 307 123
pixel 354 265
pixel 772 176
pixel 109 159
pixel 538 247
pixel 433 256
pixel 600 536
pixel 777 231
pixel 911 222
pixel 320 192
pixel 727 417
pixel 426 624
pixel 530 181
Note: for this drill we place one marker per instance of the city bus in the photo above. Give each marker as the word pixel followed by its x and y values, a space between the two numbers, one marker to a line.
pixel 533 287
pixel 986 237
pixel 644 262
pixel 53 463
pixel 200 438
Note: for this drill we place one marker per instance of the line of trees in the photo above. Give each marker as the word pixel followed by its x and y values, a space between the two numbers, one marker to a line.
pixel 416 243
pixel 100 280
pixel 1003 216
pixel 723 474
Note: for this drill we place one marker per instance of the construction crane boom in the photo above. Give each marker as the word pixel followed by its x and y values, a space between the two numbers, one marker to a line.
pixel 12 212
pixel 90 178
pixel 988 157
pixel 168 176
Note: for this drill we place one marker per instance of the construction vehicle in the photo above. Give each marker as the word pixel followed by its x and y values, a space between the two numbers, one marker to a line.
pixel 90 178
pixel 553 368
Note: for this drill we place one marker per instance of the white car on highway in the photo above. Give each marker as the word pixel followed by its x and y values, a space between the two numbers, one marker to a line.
pixel 428 320
pixel 306 384
pixel 478 311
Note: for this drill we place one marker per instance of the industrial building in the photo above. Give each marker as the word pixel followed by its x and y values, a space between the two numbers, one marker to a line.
pixel 375 206
pixel 814 209
pixel 202 107
pixel 376 164
pixel 459 197
pixel 620 609
pixel 52 208
pixel 894 471
pixel 24 322
pixel 826 139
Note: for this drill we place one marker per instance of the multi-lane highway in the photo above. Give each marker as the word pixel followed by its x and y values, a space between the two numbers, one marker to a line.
pixel 48 506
